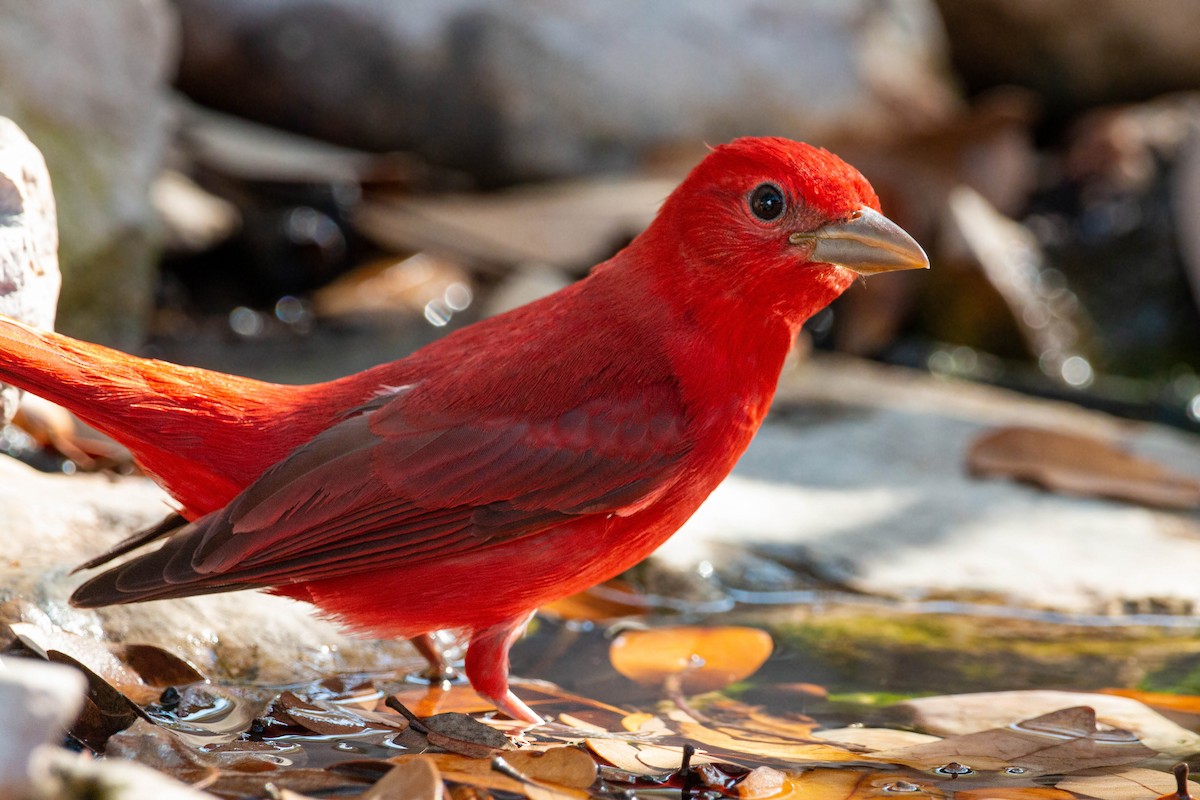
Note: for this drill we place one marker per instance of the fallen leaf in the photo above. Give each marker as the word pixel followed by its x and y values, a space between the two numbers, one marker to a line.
pixel 565 766
pixel 642 759
pixel 1061 741
pixel 156 666
pixel 760 745
pixel 702 659
pixel 459 733
pixel 479 772
pixel 948 715
pixel 1124 784
pixel 85 652
pixel 416 779
pixel 874 738
pixel 1080 465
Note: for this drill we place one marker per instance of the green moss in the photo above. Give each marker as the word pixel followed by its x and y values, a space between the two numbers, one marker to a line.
pixel 885 652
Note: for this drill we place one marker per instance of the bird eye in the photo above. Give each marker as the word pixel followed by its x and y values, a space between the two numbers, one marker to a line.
pixel 766 201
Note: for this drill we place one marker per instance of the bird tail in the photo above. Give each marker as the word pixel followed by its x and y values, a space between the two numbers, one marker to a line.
pixel 195 430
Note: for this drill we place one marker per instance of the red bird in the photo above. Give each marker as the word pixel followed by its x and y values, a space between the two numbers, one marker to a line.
pixel 511 463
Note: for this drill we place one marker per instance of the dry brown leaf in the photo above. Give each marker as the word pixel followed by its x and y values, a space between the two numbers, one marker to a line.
pixel 948 715
pixel 90 653
pixel 641 721
pixel 157 667
pixel 565 766
pixel 416 779
pixel 642 759
pixel 1080 465
pixel 1123 784
pixel 1061 741
pixel 874 738
pixel 478 772
pixel 459 733
pixel 760 745
pixel 703 659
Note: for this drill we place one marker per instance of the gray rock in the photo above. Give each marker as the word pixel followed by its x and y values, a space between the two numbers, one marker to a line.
pixel 29 277
pixel 538 89
pixel 88 83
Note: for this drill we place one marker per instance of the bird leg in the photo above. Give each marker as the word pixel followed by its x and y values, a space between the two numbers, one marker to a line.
pixel 439 669
pixel 487 667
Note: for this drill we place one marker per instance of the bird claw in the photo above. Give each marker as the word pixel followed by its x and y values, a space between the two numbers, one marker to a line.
pixel 512 706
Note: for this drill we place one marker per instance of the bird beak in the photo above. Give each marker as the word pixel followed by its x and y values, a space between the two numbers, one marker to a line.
pixel 866 243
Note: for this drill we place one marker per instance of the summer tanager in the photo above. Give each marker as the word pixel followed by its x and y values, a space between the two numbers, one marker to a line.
pixel 511 463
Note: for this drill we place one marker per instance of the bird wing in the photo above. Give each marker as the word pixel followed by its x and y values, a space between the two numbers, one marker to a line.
pixel 389 486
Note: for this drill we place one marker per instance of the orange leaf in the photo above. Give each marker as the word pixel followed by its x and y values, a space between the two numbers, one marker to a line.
pixel 703 659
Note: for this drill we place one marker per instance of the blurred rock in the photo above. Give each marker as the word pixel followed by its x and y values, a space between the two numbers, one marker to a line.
pixel 535 90
pixel 1075 53
pixel 40 701
pixel 51 522
pixel 29 277
pixel 87 81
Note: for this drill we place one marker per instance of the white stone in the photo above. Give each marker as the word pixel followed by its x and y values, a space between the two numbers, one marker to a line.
pixel 38 701
pixel 29 276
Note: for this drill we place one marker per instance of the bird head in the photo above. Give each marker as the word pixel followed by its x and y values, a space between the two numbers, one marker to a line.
pixel 783 223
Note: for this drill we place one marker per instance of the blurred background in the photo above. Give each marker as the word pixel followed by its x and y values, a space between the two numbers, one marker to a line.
pixel 299 188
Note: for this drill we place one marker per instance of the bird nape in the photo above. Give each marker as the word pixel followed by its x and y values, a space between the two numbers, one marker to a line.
pixel 516 461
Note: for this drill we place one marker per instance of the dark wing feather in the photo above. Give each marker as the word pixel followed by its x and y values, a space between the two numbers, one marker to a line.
pixel 384 488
